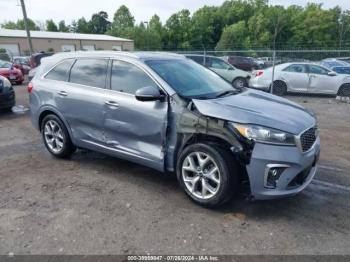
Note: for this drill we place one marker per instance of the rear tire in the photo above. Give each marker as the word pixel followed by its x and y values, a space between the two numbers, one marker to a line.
pixel 239 82
pixel 279 88
pixel 56 137
pixel 211 168
pixel 344 90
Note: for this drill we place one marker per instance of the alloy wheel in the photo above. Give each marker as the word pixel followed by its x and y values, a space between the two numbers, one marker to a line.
pixel 201 175
pixel 54 137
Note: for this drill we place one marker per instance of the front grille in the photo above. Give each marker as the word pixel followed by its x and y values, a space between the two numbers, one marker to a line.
pixel 308 138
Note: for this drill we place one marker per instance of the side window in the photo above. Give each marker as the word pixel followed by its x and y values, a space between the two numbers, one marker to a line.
pixel 90 72
pixel 219 64
pixel 296 69
pixel 61 71
pixel 314 69
pixel 128 78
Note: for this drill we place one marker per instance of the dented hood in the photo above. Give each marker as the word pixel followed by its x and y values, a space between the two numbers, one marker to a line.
pixel 259 108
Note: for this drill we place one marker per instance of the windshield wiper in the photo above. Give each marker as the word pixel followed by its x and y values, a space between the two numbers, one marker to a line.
pixel 228 92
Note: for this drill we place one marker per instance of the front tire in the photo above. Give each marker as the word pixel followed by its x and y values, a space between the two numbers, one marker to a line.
pixel 208 174
pixel 56 137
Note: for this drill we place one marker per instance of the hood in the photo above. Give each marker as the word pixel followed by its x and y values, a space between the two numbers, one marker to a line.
pixel 259 108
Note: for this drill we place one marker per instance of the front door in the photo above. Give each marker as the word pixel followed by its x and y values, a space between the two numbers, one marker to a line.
pixel 296 77
pixel 135 129
pixel 320 81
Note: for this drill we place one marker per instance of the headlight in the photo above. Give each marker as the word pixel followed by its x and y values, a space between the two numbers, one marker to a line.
pixel 264 134
pixel 7 83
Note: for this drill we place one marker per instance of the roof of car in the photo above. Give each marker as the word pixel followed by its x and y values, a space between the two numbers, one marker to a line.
pixel 135 55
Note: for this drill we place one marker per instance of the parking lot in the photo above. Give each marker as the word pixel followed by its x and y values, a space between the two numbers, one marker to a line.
pixel 95 204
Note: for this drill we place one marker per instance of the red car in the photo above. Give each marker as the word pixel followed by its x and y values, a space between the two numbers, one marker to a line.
pixel 9 71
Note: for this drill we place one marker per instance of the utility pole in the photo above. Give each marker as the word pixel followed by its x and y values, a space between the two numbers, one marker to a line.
pixel 27 27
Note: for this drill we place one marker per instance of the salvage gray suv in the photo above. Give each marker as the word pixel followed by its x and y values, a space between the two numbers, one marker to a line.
pixel 169 113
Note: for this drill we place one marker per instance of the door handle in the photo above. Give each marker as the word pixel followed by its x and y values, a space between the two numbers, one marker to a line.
pixel 112 103
pixel 62 93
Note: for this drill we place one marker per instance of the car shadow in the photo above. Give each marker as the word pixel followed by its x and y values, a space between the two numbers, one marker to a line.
pixel 312 199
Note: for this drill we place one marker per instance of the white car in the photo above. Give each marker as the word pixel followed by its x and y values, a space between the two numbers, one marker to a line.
pixel 238 78
pixel 301 78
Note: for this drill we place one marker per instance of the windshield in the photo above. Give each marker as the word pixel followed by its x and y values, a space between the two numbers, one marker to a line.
pixel 190 79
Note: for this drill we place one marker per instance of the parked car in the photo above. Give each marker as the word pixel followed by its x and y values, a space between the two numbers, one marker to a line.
pixel 35 59
pixel 332 62
pixel 7 94
pixel 259 62
pixel 341 70
pixel 237 77
pixel 344 59
pixel 32 73
pixel 169 113
pixel 8 70
pixel 22 63
pixel 241 62
pixel 301 78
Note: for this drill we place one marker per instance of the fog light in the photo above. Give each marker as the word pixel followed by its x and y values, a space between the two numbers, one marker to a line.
pixel 272 174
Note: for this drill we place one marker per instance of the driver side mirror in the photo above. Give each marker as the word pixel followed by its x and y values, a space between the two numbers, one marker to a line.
pixel 149 93
pixel 332 73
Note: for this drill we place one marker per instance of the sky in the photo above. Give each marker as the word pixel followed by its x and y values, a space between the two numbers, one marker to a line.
pixel 142 10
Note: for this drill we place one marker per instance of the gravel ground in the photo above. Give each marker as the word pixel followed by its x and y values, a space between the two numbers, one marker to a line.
pixel 95 204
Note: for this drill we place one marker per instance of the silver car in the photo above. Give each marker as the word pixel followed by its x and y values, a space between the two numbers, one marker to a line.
pixel 301 78
pixel 169 113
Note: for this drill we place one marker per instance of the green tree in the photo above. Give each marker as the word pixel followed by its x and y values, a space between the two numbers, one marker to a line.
pixel 156 33
pixel 99 23
pixel 20 25
pixel 51 26
pixel 62 26
pixel 234 37
pixel 83 26
pixel 207 26
pixel 178 28
pixel 9 25
pixel 123 22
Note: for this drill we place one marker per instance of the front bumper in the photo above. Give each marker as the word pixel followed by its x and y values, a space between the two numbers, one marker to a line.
pixel 299 169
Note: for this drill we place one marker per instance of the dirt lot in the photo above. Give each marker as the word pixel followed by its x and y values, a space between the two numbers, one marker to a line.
pixel 94 204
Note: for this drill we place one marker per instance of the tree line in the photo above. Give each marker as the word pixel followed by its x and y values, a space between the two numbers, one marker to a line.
pixel 235 25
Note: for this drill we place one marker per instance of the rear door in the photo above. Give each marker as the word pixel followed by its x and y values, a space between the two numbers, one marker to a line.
pixel 296 77
pixel 133 128
pixel 81 99
pixel 321 82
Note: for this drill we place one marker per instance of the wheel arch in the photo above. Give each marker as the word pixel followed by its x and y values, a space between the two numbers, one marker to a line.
pixel 190 139
pixel 280 80
pixel 342 86
pixel 45 111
